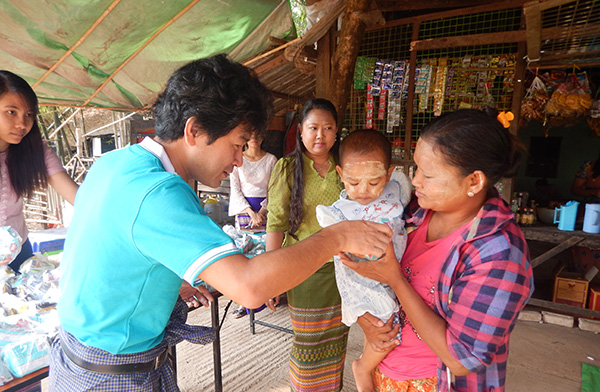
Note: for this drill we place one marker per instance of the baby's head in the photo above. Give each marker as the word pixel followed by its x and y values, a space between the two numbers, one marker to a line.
pixel 365 165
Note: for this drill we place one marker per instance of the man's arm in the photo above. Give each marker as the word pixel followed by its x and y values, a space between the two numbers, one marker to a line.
pixel 250 282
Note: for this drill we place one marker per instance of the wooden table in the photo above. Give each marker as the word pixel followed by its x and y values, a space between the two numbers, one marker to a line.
pixel 25 381
pixel 563 240
pixel 31 378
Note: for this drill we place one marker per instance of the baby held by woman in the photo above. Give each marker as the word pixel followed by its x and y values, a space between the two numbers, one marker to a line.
pixel 374 192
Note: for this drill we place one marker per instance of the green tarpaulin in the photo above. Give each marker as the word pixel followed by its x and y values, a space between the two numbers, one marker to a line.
pixel 129 46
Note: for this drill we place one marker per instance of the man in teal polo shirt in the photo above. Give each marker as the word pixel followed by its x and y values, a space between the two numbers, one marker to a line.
pixel 138 233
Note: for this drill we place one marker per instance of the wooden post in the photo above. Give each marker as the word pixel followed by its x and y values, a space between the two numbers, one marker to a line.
pixel 508 184
pixel 358 14
pixel 325 47
pixel 411 94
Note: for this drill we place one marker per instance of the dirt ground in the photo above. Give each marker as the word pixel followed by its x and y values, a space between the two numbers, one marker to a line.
pixel 542 357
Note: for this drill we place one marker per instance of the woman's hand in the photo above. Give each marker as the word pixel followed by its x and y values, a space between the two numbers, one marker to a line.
pixel 381 336
pixel 385 270
pixel 272 303
pixel 195 296
pixel 256 219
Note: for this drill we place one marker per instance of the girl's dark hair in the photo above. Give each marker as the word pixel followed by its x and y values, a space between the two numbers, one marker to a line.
pixel 26 161
pixel 297 197
pixel 219 93
pixel 475 140
pixel 364 141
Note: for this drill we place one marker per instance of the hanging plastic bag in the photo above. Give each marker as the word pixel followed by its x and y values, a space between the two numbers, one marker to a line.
pixel 569 101
pixel 533 106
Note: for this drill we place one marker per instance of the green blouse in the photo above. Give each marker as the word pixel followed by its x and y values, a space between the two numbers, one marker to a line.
pixel 317 190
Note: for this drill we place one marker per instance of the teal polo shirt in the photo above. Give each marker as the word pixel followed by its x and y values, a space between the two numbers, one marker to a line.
pixel 137 231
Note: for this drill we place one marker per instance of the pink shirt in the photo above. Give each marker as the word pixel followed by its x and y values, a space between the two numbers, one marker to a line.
pixel 421 264
pixel 11 205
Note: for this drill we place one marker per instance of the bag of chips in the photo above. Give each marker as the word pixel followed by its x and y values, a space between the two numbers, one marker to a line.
pixel 533 106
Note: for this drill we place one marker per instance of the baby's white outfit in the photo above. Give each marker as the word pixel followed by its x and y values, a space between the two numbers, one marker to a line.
pixel 360 294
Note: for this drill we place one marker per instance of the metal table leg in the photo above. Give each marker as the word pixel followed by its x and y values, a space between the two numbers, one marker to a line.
pixel 214 310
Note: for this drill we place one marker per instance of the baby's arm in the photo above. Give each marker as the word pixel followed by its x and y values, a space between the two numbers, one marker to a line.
pixel 326 216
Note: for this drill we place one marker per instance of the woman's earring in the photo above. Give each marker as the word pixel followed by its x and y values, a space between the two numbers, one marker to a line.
pixel 470 194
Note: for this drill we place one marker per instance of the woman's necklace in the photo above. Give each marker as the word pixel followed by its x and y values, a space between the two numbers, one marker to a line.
pixel 324 166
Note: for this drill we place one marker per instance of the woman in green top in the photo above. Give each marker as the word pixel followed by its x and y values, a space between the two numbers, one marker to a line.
pixel 300 182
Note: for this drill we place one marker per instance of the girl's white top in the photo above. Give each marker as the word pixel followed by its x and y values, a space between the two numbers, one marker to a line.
pixel 360 294
pixel 250 180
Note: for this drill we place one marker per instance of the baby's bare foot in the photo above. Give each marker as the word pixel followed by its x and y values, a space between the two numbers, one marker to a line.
pixel 363 377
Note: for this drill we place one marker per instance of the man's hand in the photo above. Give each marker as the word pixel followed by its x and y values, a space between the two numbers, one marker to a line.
pixel 362 237
pixel 195 296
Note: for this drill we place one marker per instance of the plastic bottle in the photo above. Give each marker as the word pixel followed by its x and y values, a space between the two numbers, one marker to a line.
pixel 213 209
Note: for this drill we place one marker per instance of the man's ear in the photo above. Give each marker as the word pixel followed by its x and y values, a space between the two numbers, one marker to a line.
pixel 189 131
pixel 339 170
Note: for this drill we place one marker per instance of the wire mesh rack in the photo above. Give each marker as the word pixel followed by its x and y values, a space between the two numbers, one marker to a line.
pixel 445 79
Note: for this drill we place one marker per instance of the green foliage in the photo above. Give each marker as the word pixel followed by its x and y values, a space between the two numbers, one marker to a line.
pixel 298 8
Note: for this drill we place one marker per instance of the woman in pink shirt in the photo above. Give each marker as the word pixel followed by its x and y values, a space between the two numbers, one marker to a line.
pixel 465 274
pixel 26 161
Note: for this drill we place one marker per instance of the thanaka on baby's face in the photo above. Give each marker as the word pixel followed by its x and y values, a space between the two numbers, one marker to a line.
pixel 364 175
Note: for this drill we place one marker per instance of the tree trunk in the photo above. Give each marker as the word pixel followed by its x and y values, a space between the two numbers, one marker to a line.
pixel 358 16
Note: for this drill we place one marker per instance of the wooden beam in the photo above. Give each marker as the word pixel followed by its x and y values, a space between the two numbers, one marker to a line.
pixel 326 47
pixel 508 184
pixel 412 5
pixel 270 52
pixel 541 5
pixel 562 308
pixel 533 20
pixel 504 37
pixel 289 97
pixel 358 15
pixel 556 250
pixel 269 65
pixel 495 6
pixel 411 96
pixel 468 40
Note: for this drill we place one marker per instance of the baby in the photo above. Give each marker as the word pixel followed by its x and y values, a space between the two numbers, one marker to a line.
pixel 374 192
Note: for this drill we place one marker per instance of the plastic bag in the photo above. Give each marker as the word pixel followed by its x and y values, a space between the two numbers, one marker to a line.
pixel 10 244
pixel 569 101
pixel 25 345
pixel 533 106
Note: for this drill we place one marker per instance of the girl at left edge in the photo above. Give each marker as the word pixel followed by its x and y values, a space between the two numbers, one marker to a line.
pixel 26 161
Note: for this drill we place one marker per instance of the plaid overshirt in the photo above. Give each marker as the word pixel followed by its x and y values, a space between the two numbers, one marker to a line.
pixel 484 283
